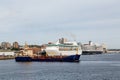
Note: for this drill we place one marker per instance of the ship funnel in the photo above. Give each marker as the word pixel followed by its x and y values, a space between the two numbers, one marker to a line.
pixel 90 42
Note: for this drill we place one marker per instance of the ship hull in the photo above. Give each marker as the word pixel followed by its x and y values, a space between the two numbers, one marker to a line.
pixel 91 52
pixel 71 58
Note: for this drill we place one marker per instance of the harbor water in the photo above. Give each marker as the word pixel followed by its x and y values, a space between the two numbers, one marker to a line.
pixel 90 67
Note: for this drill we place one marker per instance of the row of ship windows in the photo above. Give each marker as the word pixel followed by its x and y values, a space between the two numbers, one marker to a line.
pixel 67 48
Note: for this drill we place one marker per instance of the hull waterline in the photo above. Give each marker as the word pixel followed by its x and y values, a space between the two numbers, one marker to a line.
pixel 72 58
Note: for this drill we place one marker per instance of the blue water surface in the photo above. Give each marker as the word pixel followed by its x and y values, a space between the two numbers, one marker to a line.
pixel 90 67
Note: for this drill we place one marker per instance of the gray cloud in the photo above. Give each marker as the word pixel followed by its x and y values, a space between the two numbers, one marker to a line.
pixel 34 20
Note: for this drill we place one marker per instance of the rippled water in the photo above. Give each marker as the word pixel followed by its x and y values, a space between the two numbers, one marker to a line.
pixel 91 67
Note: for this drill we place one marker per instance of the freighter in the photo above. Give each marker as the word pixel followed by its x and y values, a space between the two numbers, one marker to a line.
pixel 63 51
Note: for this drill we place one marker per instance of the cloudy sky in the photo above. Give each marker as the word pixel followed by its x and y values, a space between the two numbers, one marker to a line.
pixel 41 21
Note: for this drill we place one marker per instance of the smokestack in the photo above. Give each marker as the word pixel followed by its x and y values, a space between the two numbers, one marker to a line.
pixel 90 42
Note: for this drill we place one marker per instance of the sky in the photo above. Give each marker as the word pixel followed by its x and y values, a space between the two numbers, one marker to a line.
pixel 43 21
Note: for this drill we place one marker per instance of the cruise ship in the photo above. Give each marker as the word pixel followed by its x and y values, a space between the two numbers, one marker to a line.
pixel 63 51
pixel 93 48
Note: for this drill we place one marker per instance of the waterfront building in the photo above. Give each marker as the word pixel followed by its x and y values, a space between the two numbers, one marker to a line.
pixel 62 40
pixel 15 45
pixel 7 53
pixel 5 45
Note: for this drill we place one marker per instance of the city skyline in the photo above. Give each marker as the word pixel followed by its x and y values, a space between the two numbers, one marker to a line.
pixel 38 22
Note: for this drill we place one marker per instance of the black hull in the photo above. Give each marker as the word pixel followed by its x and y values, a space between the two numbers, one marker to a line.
pixel 91 52
pixel 73 58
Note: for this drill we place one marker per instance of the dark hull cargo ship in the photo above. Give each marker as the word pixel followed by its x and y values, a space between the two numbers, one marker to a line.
pixel 66 52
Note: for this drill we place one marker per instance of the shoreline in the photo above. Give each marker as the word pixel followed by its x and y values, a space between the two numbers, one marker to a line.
pixel 7 58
